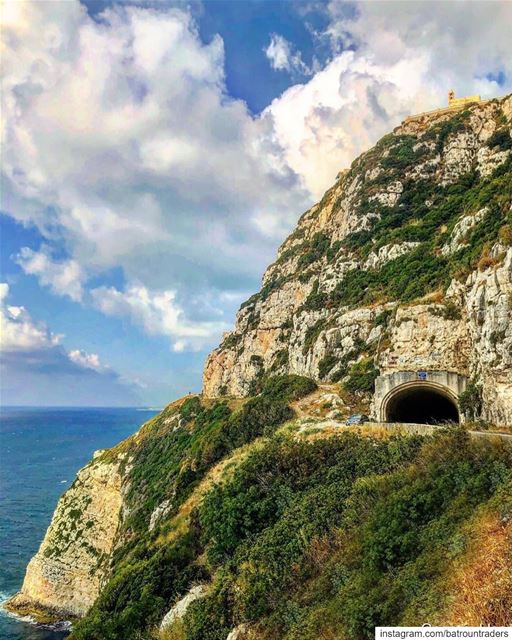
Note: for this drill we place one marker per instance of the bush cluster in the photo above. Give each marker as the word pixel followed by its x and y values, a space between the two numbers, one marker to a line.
pixel 362 376
pixel 169 462
pixel 349 533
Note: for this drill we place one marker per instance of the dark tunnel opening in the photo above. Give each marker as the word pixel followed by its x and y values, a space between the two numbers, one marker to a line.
pixel 421 405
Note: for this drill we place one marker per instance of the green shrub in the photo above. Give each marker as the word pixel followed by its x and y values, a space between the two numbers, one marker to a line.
pixel 383 318
pixel 362 377
pixel 287 388
pixel 312 334
pixel 347 533
pixel 139 593
pixel 316 300
pixel 449 311
pixel 231 341
pixel 191 408
pixel 326 364
pixel 401 154
pixel 280 359
pixel 470 401
pixel 406 278
pixel 313 250
pixel 500 138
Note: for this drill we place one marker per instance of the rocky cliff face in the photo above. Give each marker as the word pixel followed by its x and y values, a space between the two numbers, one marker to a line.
pixel 122 493
pixel 65 576
pixel 406 261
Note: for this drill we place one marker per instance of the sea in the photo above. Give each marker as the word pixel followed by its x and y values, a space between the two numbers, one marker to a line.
pixel 41 450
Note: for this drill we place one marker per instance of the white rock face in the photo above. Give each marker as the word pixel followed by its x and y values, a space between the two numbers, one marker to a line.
pixel 238 633
pixel 159 512
pixel 293 325
pixel 388 252
pixel 391 195
pixel 489 160
pixel 180 608
pixel 460 234
pixel 459 155
pixel 489 309
pixel 68 571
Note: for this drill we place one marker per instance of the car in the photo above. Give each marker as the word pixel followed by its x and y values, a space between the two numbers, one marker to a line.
pixel 357 418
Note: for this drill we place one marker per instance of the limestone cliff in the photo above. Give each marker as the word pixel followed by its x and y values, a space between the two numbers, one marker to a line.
pixel 407 260
pixel 65 576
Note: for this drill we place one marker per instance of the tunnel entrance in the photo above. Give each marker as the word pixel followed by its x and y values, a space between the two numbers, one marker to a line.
pixel 422 405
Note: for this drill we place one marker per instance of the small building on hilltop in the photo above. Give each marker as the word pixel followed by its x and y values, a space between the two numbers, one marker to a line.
pixel 454 104
pixel 457 103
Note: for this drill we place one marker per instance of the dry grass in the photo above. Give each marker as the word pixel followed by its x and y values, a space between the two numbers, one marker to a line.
pixel 486 260
pixel 505 235
pixel 487 428
pixel 221 472
pixel 311 405
pixel 481 586
pixel 367 430
pixel 176 632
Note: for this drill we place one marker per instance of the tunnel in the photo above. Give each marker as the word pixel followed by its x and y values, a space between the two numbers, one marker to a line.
pixel 421 404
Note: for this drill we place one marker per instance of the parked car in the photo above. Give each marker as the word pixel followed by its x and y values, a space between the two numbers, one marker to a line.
pixel 357 418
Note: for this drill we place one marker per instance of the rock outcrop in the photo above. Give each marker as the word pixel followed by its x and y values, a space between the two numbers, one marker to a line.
pixel 181 607
pixel 64 578
pixel 403 261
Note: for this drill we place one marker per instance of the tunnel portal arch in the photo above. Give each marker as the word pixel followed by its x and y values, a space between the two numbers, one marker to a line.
pixel 420 403
pixel 421 397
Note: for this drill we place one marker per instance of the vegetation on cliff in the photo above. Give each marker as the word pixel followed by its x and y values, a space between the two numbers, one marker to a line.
pixel 422 218
pixel 304 538
pixel 165 463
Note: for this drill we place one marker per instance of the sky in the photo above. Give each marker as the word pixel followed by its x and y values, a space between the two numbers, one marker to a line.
pixel 156 154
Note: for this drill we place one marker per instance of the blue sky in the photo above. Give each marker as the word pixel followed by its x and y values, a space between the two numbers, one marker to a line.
pixel 156 154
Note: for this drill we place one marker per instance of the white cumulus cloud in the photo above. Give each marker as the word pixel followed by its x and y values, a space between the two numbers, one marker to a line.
pixel 123 147
pixel 158 313
pixel 18 332
pixel 64 277
pixel 29 343
pixel 283 56
pixel 390 59
pixel 87 360
pixel 120 138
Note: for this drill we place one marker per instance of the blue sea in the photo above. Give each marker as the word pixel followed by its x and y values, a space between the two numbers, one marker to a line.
pixel 41 451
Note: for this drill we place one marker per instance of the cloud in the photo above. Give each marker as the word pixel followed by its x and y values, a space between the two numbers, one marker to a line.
pixel 343 110
pixel 390 59
pixel 123 147
pixel 34 359
pixel 284 57
pixel 64 277
pixel 87 360
pixel 18 332
pixel 150 161
pixel 158 313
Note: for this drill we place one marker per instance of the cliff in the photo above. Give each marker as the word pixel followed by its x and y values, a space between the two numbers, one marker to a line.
pixel 406 260
pixel 248 511
pixel 65 576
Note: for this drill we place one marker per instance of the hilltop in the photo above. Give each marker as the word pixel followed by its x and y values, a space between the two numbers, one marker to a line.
pixel 405 264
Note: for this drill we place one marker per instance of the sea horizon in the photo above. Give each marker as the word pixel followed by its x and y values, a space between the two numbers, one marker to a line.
pixel 81 407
